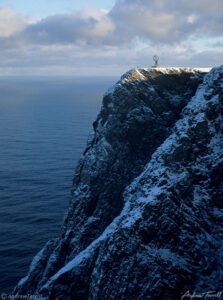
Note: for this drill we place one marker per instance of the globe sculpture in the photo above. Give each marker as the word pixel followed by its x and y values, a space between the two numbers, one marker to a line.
pixel 156 59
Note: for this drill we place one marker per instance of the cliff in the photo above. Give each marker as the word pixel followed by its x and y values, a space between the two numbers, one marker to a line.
pixel 146 211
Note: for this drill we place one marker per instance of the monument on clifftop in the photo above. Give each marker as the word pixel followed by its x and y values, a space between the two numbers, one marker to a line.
pixel 156 59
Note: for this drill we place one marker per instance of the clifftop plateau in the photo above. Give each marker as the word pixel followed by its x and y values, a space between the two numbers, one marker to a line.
pixel 145 219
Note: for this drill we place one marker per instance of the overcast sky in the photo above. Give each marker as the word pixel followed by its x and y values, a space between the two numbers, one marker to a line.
pixel 107 37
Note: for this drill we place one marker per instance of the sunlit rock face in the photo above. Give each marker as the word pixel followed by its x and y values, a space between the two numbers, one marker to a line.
pixel 146 214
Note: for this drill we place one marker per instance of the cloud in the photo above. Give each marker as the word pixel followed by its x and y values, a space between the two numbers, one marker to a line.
pixel 11 22
pixel 168 21
pixel 160 21
pixel 88 27
pixel 106 60
pixel 141 21
pixel 114 40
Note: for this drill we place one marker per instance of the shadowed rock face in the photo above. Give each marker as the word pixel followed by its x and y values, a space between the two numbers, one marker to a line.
pixel 146 212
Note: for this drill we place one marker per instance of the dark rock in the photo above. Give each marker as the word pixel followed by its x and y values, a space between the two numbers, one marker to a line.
pixel 145 219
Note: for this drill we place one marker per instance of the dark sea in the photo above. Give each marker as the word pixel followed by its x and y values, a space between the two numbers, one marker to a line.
pixel 44 124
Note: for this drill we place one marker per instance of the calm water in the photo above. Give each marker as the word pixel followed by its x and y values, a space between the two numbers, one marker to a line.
pixel 44 124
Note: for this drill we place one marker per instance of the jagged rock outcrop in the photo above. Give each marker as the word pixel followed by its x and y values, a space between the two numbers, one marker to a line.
pixel 146 211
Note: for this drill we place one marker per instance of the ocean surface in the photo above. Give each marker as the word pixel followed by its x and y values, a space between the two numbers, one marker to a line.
pixel 44 124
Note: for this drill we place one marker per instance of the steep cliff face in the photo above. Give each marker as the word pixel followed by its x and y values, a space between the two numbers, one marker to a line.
pixel 146 212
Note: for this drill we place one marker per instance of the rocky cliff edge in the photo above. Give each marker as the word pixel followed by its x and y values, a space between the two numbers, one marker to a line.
pixel 146 212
